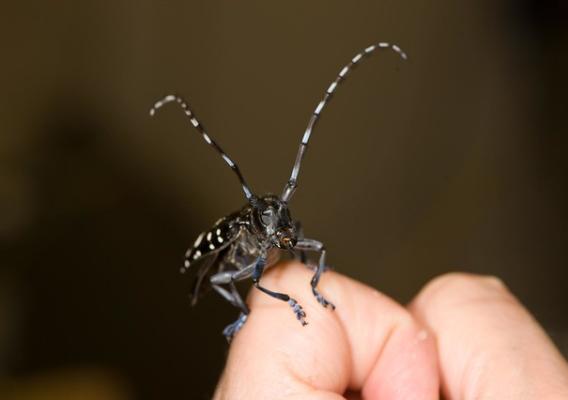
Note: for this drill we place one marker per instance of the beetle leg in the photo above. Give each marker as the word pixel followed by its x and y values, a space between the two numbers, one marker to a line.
pixel 301 254
pixel 314 245
pixel 297 308
pixel 231 330
pixel 238 298
pixel 232 297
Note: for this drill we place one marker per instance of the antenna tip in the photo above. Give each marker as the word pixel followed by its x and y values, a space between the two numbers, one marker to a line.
pixel 152 111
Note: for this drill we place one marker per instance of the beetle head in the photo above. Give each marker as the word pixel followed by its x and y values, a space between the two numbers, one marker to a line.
pixel 273 221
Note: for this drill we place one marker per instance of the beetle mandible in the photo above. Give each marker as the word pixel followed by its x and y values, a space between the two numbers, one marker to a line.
pixel 244 244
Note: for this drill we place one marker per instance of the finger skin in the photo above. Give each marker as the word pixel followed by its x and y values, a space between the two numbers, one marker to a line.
pixel 369 344
pixel 489 346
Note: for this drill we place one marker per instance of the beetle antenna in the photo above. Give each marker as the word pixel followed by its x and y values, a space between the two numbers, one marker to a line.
pixel 290 187
pixel 201 129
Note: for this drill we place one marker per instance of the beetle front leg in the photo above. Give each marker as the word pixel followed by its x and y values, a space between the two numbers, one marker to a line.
pixel 297 308
pixel 314 245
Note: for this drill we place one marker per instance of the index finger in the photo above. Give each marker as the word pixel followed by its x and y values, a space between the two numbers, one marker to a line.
pixel 369 344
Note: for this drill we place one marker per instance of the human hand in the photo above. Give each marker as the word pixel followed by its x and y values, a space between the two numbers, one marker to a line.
pixel 464 336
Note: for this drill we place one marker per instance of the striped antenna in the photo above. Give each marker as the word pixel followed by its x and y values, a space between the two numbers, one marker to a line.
pixel 290 187
pixel 197 125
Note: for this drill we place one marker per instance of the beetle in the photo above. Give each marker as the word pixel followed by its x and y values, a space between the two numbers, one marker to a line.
pixel 244 244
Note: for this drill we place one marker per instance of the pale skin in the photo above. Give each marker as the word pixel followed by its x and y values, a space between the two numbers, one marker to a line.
pixel 463 337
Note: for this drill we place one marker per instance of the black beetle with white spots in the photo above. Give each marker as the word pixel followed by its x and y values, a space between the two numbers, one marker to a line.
pixel 244 244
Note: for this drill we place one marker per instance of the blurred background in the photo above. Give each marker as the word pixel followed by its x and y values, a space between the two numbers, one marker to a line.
pixel 455 160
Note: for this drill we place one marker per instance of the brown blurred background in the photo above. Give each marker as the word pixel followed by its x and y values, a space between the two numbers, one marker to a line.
pixel 455 160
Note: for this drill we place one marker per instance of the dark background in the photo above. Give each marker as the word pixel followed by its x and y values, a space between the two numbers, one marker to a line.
pixel 455 160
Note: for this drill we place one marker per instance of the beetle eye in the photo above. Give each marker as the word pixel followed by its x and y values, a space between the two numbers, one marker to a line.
pixel 267 216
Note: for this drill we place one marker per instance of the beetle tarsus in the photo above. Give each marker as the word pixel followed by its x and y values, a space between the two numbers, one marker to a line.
pixel 231 330
pixel 299 311
pixel 322 299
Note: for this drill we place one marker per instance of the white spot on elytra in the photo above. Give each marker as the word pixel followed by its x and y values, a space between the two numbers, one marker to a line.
pixel 198 240
pixel 219 239
pixel 197 254
pixel 218 231
pixel 211 246
pixel 186 263
pixel 209 235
